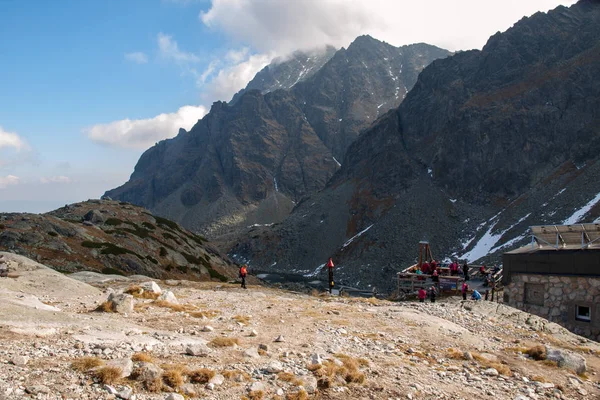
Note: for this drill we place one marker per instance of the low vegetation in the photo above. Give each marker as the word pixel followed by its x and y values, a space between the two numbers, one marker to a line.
pixel 108 375
pixel 142 357
pixel 85 364
pixel 224 342
pixel 202 375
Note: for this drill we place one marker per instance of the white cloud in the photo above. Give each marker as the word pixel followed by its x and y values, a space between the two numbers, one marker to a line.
pixel 137 57
pixel 169 49
pixel 12 140
pixel 55 179
pixel 233 77
pixel 143 133
pixel 9 180
pixel 284 26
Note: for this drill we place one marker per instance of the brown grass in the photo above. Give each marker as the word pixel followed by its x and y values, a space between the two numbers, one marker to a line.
pixel 173 306
pixel 224 342
pixel 501 368
pixel 242 319
pixel 289 377
pixel 231 374
pixel 299 395
pixel 204 314
pixel 142 357
pixel 138 292
pixel 106 306
pixel 202 375
pixel 108 375
pixel 173 378
pixel 86 363
pixel 455 354
pixel 538 352
pixel 539 378
pixel 349 371
pixel 256 395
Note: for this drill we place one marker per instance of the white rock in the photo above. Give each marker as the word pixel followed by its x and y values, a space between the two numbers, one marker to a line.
pixel 252 352
pixel 168 296
pixel 198 350
pixel 217 380
pixel 566 359
pixel 121 303
pixel 126 393
pixel 208 328
pixel 210 386
pixel 253 333
pixel 20 361
pixel 315 359
pixel 124 364
pixel 279 339
pixel 274 367
pixel 491 372
pixel 151 287
pixel 257 386
pixel 174 396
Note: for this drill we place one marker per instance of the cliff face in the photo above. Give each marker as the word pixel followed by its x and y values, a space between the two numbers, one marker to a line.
pixel 249 162
pixel 486 143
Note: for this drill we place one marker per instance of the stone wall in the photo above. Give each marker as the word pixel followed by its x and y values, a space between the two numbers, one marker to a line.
pixel 556 298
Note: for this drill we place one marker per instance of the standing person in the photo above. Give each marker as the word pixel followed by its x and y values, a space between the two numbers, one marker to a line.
pixel 465 269
pixel 330 270
pixel 243 274
pixel 465 288
pixel 435 276
pixel 432 293
pixel 422 295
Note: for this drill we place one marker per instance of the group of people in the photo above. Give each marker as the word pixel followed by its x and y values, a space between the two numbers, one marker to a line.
pixel 433 268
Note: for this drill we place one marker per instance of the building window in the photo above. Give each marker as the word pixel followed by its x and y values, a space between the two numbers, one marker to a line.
pixel 534 294
pixel 583 314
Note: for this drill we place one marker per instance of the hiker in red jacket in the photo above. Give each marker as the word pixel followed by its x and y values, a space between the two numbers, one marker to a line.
pixel 243 274
pixel 330 270
pixel 465 287
pixel 422 295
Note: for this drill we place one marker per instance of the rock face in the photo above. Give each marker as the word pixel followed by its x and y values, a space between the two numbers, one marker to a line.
pixel 486 143
pixel 250 162
pixel 283 73
pixel 122 239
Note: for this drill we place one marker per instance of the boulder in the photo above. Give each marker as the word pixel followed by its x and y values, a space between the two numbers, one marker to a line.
pixel 148 372
pixel 217 380
pixel 151 286
pixel 566 359
pixel 124 364
pixel 168 296
pixel 121 302
pixel 174 396
pixel 198 350
pixel 252 353
pixel 94 216
pixel 274 367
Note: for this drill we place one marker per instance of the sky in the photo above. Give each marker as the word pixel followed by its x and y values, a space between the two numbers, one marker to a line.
pixel 87 86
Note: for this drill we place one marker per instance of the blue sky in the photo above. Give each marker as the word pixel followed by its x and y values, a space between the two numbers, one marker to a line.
pixel 86 86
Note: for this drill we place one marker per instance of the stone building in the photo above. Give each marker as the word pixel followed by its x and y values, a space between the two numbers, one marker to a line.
pixel 557 277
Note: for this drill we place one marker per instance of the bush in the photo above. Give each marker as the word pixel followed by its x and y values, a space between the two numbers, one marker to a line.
pixel 166 222
pixel 86 363
pixel 112 271
pixel 538 352
pixel 53 234
pixel 224 342
pixel 202 375
pixel 92 245
pixel 163 252
pixel 216 275
pixel 113 222
pixel 183 269
pixel 148 225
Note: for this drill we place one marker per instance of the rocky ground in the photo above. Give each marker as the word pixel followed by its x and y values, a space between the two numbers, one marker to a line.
pixel 218 341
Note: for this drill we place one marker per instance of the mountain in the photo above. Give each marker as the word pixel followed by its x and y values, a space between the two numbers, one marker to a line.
pixel 486 144
pixel 285 72
pixel 113 238
pixel 250 162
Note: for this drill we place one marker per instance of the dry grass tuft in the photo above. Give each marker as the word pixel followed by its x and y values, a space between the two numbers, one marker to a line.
pixel 256 395
pixel 539 378
pixel 501 368
pixel 299 395
pixel 173 378
pixel 142 357
pixel 455 354
pixel 86 363
pixel 349 371
pixel 242 319
pixel 550 363
pixel 204 314
pixel 224 342
pixel 172 306
pixel 202 375
pixel 314 367
pixel 108 375
pixel 289 377
pixel 538 352
pixel 233 374
pixel 106 306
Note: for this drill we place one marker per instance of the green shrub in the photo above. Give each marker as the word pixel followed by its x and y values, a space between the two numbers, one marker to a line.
pixel 2 226
pixel 167 235
pixel 51 233
pixel 152 259
pixel 113 221
pixel 92 245
pixel 166 222
pixel 216 275
pixel 198 239
pixel 163 252
pixel 138 231
pixel 169 268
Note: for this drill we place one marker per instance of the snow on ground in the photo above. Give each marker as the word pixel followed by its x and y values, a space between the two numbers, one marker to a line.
pixel 453 200
pixel 430 172
pixel 577 215
pixel 316 271
pixel 258 225
pixel 337 162
pixel 275 183
pixel 487 241
pixel 357 235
